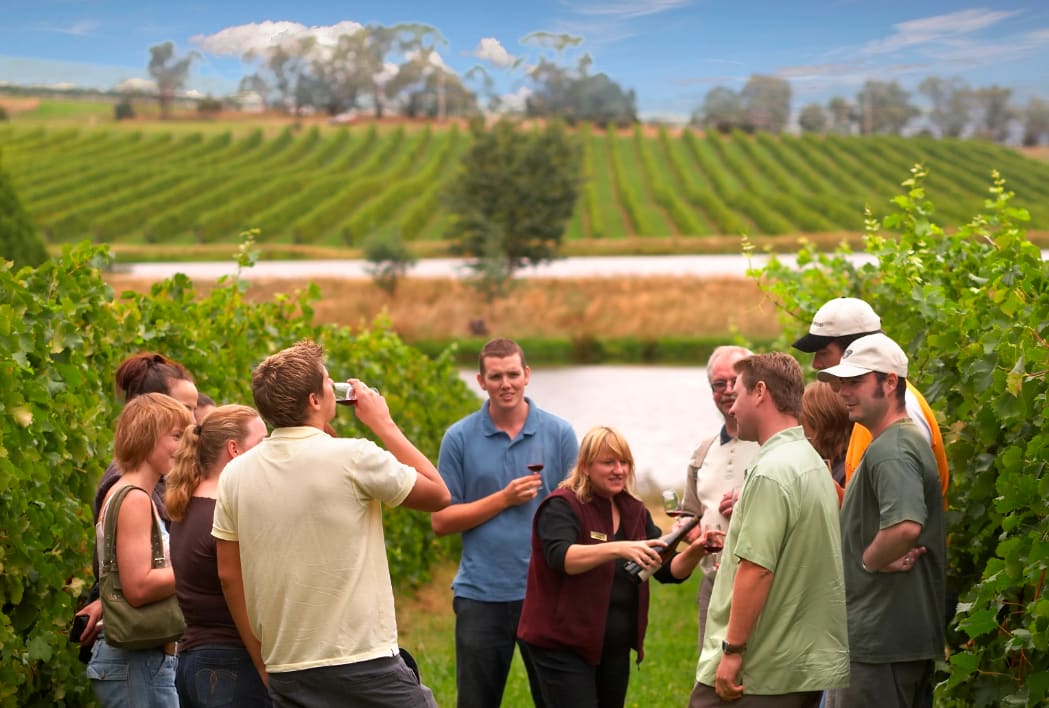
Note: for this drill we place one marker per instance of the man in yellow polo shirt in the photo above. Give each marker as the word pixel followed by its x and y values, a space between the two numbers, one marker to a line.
pixel 835 326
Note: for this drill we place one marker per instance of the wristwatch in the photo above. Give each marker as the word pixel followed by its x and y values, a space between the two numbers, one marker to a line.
pixel 727 648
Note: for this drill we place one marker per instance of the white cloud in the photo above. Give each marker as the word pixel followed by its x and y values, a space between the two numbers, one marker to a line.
pixel 936 29
pixel 136 85
pixel 626 8
pixel 491 50
pixel 78 29
pixel 515 102
pixel 258 37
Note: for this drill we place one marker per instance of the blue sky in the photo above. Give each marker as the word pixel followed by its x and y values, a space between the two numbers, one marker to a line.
pixel 671 52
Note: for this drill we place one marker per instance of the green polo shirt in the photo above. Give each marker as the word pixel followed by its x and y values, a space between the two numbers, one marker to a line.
pixel 786 520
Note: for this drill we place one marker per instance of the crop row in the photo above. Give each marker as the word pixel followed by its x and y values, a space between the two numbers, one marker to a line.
pixel 340 186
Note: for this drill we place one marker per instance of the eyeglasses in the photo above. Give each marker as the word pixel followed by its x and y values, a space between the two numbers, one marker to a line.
pixel 720 385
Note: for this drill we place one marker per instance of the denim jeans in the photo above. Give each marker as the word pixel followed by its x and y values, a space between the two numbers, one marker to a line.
pixel 485 637
pixel 569 682
pixel 143 678
pixel 387 682
pixel 219 677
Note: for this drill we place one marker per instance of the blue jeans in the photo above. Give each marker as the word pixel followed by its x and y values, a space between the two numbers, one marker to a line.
pixel 143 678
pixel 219 677
pixel 485 637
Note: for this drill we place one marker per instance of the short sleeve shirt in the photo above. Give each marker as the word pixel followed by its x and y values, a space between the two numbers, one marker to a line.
pixel 476 460
pixel 895 617
pixel 786 520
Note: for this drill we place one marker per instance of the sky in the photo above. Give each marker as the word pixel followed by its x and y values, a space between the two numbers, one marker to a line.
pixel 670 52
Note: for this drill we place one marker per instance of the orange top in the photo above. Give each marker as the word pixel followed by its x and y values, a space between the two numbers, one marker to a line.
pixel 861 438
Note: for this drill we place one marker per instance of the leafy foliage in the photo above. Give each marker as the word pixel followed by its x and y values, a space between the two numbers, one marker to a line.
pixel 971 308
pixel 19 241
pixel 62 334
pixel 513 194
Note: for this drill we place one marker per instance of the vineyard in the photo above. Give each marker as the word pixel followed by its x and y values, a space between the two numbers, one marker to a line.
pixel 335 186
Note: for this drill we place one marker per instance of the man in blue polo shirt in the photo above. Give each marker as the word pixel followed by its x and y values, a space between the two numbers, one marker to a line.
pixel 498 463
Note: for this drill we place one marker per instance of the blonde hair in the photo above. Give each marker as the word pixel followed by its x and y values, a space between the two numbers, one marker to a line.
pixel 593 443
pixel 824 415
pixel 140 426
pixel 200 448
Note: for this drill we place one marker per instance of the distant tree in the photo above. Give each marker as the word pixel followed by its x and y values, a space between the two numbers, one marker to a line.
pixel 812 119
pixel 169 73
pixel 722 110
pixel 209 106
pixel 123 110
pixel 19 241
pixel 1036 122
pixel 993 112
pixel 3 114
pixel 842 115
pixel 951 104
pixel 766 103
pixel 575 95
pixel 389 260
pixel 511 198
pixel 884 108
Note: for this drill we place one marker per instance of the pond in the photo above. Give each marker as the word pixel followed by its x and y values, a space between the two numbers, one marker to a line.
pixel 663 411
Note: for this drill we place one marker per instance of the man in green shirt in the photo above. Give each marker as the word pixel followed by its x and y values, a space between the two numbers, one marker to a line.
pixel 893 538
pixel 776 630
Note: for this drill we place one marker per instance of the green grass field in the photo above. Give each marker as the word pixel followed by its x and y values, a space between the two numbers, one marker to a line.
pixel 663 680
pixel 182 182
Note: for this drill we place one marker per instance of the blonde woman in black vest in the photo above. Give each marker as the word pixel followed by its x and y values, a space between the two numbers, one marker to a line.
pixel 583 612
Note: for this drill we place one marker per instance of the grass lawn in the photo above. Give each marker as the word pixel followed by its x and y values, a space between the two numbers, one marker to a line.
pixel 426 625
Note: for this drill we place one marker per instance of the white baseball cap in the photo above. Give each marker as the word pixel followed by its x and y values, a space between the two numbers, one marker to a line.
pixel 839 317
pixel 875 352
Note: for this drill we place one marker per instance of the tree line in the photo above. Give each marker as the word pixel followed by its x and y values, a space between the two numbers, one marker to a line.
pixel 379 68
pixel 879 108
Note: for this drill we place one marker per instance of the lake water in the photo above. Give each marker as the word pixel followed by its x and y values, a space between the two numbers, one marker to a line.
pixel 663 411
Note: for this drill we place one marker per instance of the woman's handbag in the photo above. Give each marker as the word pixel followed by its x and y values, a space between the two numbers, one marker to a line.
pixel 128 627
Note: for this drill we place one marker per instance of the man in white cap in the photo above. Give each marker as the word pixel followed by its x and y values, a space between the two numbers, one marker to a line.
pixel 893 538
pixel 834 327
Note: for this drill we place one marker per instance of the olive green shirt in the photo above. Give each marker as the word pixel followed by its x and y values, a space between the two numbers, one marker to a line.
pixel 895 617
pixel 786 521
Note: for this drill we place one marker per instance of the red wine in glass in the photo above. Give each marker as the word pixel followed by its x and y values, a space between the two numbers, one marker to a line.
pixel 535 467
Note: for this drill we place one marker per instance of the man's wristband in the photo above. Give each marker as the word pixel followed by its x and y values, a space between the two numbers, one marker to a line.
pixel 864 566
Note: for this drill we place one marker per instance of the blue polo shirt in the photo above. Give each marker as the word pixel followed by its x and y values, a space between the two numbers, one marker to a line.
pixel 476 460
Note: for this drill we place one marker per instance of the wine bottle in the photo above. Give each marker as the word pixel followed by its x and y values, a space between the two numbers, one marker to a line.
pixel 671 540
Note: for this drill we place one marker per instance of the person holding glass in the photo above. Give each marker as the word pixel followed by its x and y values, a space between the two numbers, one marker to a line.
pixel 214 668
pixel 583 611
pixel 487 461
pixel 715 471
pixel 148 432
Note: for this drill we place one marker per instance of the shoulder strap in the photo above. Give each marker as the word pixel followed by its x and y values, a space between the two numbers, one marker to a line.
pixel 109 532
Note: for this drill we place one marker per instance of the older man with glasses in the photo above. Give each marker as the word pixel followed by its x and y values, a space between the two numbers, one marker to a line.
pixel 715 471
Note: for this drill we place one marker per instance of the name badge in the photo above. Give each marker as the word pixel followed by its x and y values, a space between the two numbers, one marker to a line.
pixel 598 536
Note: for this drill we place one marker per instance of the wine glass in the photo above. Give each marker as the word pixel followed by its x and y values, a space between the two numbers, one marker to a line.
pixel 535 459
pixel 672 503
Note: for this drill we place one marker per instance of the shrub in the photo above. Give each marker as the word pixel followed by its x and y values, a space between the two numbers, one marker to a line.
pixel 971 308
pixel 123 110
pixel 62 334
pixel 19 241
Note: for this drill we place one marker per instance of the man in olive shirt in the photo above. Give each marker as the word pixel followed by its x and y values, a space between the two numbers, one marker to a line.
pixel 776 630
pixel 893 538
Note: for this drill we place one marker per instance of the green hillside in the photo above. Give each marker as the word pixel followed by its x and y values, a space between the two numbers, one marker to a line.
pixel 329 186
